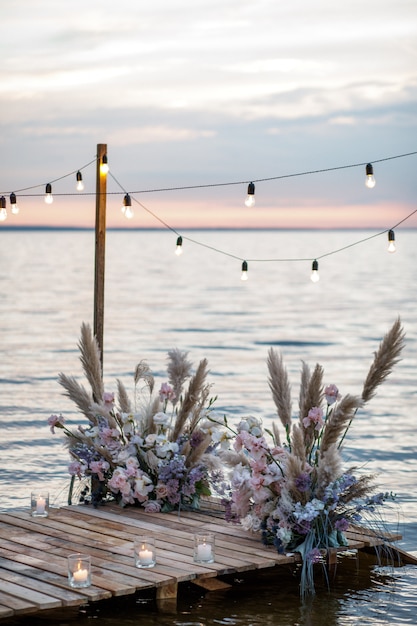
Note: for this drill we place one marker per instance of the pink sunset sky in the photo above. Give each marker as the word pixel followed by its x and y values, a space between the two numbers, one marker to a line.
pixel 204 103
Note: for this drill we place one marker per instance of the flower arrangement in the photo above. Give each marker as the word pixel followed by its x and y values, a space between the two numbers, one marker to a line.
pixel 296 492
pixel 159 453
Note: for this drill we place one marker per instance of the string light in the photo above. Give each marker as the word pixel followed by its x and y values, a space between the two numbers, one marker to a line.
pixel 13 204
pixel 178 249
pixel 104 165
pixel 244 275
pixel 127 207
pixel 250 198
pixel 3 210
pixel 391 241
pixel 251 191
pixel 80 184
pixel 48 194
pixel 315 272
pixel 370 179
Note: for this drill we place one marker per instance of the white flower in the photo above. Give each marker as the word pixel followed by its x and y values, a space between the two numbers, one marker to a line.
pixel 142 485
pixel 284 534
pixel 150 440
pixel 251 522
pixel 132 462
pixel 161 419
pixel 222 437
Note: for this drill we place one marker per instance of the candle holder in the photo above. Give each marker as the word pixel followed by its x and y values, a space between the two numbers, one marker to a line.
pixel 144 548
pixel 39 504
pixel 204 544
pixel 79 570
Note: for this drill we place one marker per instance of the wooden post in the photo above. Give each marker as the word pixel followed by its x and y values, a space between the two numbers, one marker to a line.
pixel 101 190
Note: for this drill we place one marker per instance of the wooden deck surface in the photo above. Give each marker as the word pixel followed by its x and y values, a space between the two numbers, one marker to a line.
pixel 33 554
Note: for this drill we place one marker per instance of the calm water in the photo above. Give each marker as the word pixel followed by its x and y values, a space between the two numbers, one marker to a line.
pixel 156 301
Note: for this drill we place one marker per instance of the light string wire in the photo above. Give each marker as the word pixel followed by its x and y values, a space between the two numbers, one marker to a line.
pixel 55 180
pixel 209 185
pixel 205 186
pixel 272 260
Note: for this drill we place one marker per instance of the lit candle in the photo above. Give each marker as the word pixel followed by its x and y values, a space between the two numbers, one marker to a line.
pixel 204 551
pixel 80 575
pixel 40 505
pixel 145 556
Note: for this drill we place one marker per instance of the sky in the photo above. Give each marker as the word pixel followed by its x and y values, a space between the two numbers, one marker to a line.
pixel 194 100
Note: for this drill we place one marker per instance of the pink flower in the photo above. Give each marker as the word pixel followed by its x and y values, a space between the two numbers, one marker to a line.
pixel 56 421
pixel 108 397
pixel 75 468
pixel 315 417
pixel 98 467
pixel 161 491
pixel 166 392
pixel 332 394
pixel 258 466
pixel 256 446
pixel 241 440
pixel 152 506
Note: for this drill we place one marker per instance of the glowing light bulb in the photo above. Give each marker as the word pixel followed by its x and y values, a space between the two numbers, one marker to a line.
pixel 250 198
pixel 80 184
pixel 370 180
pixel 178 249
pixel 391 241
pixel 48 194
pixel 127 207
pixel 13 204
pixel 315 272
pixel 3 210
pixel 244 275
pixel 104 165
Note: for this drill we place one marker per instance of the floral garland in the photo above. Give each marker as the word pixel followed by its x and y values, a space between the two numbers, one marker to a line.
pixel 161 454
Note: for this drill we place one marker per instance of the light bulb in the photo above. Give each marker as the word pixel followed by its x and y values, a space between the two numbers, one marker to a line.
pixel 80 184
pixel 244 275
pixel 13 204
pixel 250 198
pixel 315 272
pixel 3 210
pixel 48 194
pixel 370 180
pixel 104 165
pixel 391 241
pixel 178 249
pixel 127 206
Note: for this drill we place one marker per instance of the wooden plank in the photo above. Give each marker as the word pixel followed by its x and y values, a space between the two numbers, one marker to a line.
pixel 5 611
pixel 66 597
pixel 17 605
pixel 36 598
pixel 211 584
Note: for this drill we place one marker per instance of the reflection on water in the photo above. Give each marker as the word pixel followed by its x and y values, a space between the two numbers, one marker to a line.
pixel 361 594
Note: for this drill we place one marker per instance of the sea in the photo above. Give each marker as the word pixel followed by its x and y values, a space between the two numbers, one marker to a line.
pixel 156 301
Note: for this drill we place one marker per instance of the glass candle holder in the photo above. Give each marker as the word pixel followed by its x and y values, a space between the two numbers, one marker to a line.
pixel 39 504
pixel 204 544
pixel 144 548
pixel 79 570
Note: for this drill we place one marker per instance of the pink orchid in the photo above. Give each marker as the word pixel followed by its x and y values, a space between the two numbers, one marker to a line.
pixel 332 394
pixel 315 417
pixel 166 392
pixel 108 397
pixel 56 421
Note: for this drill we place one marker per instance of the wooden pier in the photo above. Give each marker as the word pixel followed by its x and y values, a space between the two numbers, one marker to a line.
pixel 33 554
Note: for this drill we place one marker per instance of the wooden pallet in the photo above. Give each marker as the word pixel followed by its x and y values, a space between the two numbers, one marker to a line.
pixel 33 554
